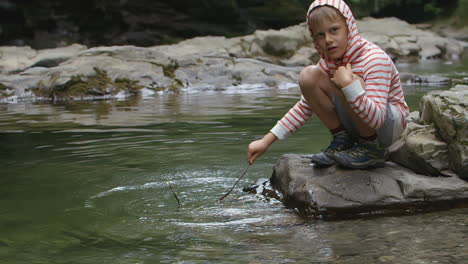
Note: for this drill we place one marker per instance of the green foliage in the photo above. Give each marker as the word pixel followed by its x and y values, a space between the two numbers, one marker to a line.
pixel 413 11
pixel 431 9
pixel 169 69
pixel 462 12
pixel 3 90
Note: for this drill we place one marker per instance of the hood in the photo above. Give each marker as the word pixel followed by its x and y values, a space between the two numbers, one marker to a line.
pixel 355 41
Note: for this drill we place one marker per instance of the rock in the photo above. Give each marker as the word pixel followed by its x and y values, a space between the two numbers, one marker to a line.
pixel 459 33
pixel 410 40
pixel 334 191
pixel 267 58
pixel 302 57
pixel 426 80
pixel 262 188
pixel 284 42
pixel 15 59
pixel 436 141
pixel 448 111
pixel 423 26
pixel 421 150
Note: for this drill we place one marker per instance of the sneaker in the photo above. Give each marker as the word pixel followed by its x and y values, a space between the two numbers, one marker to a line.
pixel 365 154
pixel 341 141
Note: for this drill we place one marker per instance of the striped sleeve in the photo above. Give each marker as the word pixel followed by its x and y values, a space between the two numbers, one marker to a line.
pixel 370 102
pixel 292 120
pixel 397 98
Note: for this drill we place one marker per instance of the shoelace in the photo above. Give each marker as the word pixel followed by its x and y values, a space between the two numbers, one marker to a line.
pixel 336 143
pixel 358 151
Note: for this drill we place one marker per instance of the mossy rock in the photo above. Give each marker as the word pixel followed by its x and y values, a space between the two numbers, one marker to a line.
pixel 3 90
pixel 97 85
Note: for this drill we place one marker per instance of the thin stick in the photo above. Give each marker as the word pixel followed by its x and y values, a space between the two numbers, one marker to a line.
pixel 232 188
pixel 170 187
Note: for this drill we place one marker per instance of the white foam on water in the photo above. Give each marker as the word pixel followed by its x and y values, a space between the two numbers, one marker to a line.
pixel 228 223
pixel 150 185
pixel 287 86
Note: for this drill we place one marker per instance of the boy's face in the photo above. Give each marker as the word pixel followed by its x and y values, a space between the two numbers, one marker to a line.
pixel 331 36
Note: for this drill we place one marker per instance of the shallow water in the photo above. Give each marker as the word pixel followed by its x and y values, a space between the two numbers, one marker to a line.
pixel 88 182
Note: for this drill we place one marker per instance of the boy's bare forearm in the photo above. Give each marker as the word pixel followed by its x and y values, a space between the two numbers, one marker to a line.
pixel 270 138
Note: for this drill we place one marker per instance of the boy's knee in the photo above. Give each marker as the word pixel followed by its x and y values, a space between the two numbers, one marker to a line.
pixel 313 77
pixel 310 75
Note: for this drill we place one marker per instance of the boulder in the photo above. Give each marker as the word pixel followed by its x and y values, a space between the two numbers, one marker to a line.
pixel 333 191
pixel 420 149
pixel 438 140
pixel 407 42
pixel 448 112
pixel 17 59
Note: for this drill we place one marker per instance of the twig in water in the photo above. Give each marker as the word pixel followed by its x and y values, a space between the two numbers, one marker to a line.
pixel 170 187
pixel 232 188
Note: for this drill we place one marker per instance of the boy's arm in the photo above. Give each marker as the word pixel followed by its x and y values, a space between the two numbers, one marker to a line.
pixel 292 120
pixel 370 102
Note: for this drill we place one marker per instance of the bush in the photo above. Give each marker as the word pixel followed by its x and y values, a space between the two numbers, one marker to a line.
pixel 461 13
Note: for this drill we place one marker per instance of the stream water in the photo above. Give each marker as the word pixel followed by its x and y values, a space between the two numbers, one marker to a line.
pixel 88 182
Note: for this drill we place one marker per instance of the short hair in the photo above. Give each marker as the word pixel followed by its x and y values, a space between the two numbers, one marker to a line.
pixel 323 13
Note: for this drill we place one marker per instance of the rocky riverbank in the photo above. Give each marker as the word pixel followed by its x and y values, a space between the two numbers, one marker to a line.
pixel 270 58
pixel 427 168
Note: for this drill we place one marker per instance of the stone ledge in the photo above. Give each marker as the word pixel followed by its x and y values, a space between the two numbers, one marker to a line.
pixel 335 191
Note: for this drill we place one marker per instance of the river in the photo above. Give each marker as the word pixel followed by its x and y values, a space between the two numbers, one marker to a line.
pixel 88 182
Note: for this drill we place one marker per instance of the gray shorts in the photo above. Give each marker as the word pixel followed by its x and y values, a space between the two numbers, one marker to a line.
pixel 387 134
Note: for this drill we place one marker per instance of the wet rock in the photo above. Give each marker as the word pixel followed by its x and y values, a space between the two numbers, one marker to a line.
pixel 263 189
pixel 426 80
pixel 335 191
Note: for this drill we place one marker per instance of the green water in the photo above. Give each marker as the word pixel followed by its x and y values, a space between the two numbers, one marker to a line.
pixel 87 182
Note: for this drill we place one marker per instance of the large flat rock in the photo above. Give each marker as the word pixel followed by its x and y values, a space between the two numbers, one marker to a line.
pixel 338 191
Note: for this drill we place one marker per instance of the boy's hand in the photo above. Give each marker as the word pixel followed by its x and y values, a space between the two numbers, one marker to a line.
pixel 258 147
pixel 344 76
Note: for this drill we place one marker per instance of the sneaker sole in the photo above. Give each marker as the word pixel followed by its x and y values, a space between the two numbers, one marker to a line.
pixel 376 163
pixel 365 165
pixel 322 163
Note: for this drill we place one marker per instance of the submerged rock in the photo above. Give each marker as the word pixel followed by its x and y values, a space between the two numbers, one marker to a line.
pixel 335 191
pixel 426 80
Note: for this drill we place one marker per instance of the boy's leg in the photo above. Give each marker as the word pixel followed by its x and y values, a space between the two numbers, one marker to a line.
pixel 368 151
pixel 318 90
pixel 362 128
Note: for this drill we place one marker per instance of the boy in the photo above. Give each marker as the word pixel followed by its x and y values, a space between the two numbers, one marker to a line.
pixel 354 90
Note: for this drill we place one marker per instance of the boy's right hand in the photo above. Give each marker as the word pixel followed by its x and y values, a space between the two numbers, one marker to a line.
pixel 258 147
pixel 255 150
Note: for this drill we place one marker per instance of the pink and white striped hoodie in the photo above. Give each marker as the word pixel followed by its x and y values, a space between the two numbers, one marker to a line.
pixel 368 61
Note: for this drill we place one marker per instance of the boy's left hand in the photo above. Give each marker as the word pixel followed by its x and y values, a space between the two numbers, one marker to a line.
pixel 344 76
